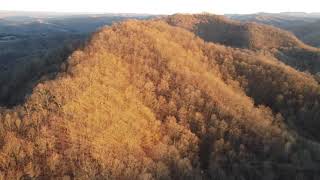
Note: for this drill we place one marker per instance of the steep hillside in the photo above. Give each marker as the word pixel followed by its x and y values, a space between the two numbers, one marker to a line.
pixel 269 82
pixel 144 100
pixel 284 45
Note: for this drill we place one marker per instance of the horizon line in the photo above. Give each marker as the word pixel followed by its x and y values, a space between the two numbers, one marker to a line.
pixel 139 13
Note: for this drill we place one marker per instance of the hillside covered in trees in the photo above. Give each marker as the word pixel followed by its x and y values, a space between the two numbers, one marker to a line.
pixel 258 37
pixel 147 100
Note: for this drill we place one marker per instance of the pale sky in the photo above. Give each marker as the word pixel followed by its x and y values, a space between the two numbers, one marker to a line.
pixel 163 6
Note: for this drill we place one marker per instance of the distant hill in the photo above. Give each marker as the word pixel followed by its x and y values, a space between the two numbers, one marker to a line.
pixel 31 23
pixel 282 44
pixel 283 20
pixel 30 14
pixel 146 100
pixel 16 15
pixel 303 25
pixel 308 32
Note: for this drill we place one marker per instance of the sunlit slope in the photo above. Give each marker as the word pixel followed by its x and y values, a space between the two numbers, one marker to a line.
pixel 144 100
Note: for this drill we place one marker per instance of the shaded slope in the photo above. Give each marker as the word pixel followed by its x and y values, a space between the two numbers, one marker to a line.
pixel 306 27
pixel 308 32
pixel 282 44
pixel 220 29
pixel 294 94
pixel 24 62
pixel 144 100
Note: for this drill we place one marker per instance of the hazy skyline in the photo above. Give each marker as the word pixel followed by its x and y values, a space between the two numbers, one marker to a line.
pixel 162 6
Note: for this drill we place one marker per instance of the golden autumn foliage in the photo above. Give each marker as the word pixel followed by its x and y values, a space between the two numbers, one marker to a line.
pixel 146 100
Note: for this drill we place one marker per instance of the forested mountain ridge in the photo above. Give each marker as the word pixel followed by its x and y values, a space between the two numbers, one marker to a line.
pixel 146 100
pixel 282 44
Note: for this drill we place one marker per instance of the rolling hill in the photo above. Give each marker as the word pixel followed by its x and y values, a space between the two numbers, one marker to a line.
pixel 283 20
pixel 308 32
pixel 147 100
pixel 305 26
pixel 268 39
